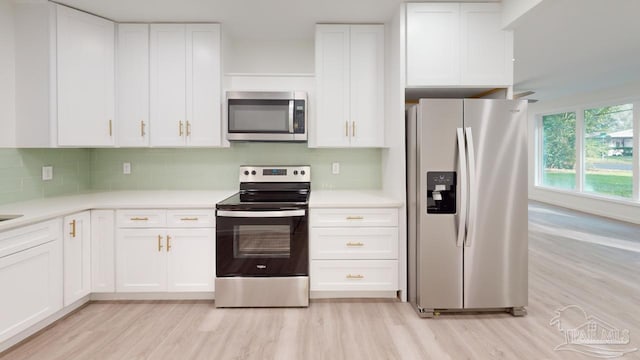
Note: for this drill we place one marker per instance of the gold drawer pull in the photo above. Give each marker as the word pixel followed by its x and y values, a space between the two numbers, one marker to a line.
pixel 355 218
pixel 352 244
pixel 159 242
pixel 189 219
pixel 139 219
pixel 357 276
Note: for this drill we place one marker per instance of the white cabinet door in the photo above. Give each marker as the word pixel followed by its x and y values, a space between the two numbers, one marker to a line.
pixel 168 84
pixel 141 260
pixel 31 283
pixel 77 256
pixel 203 127
pixel 103 251
pixel 486 50
pixel 85 64
pixel 191 259
pixel 433 44
pixel 132 81
pixel 367 85
pixel 332 81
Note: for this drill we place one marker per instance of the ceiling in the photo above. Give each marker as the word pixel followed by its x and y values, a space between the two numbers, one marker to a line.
pixel 569 46
pixel 561 46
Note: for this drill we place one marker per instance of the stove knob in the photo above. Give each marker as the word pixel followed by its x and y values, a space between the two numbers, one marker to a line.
pixel 295 172
pixel 246 172
pixel 302 172
pixel 253 172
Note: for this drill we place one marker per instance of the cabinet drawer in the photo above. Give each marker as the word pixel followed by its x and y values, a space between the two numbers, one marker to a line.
pixel 141 218
pixel 26 237
pixel 354 243
pixel 200 218
pixel 354 217
pixel 354 275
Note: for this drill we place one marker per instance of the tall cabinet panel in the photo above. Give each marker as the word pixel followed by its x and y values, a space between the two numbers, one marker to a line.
pixel 168 84
pixel 350 85
pixel 103 251
pixel 77 256
pixel 203 85
pixel 132 81
pixel 85 88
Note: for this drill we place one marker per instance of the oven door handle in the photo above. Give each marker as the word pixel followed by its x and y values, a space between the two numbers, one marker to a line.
pixel 261 214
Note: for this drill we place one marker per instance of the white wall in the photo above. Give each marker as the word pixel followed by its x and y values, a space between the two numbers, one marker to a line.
pixel 7 76
pixel 620 210
pixel 512 10
pixel 277 56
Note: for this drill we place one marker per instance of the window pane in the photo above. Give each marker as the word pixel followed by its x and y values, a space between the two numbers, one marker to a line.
pixel 608 150
pixel 559 150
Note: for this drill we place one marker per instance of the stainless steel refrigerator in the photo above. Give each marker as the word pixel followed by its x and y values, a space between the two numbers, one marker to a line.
pixel 467 205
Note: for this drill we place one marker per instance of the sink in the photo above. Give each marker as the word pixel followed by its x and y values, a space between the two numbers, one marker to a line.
pixel 8 217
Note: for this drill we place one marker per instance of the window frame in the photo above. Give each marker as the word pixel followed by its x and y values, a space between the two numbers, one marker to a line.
pixel 580 151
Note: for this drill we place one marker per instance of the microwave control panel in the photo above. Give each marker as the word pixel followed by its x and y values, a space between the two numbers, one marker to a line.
pixel 298 117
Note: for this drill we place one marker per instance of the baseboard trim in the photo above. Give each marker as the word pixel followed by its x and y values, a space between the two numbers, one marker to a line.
pixel 153 296
pixel 352 294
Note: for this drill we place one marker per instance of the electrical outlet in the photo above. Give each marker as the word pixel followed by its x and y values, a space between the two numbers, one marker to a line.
pixel 126 168
pixel 47 172
pixel 335 168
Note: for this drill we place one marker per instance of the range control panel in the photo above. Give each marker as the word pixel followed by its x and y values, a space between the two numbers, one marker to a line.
pixel 298 173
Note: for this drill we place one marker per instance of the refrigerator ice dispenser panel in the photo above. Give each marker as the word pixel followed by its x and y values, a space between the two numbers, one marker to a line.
pixel 441 192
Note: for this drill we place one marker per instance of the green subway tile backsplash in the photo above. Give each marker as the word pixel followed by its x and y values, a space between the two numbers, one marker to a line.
pixel 21 173
pixel 210 169
pixel 80 170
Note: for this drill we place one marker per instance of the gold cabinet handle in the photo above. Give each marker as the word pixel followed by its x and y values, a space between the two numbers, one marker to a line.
pixel 189 219
pixel 353 129
pixel 346 128
pixel 180 128
pixel 142 125
pixel 110 128
pixel 357 276
pixel 355 218
pixel 139 219
pixel 354 244
pixel 188 128
pixel 159 242
pixel 168 243
pixel 73 228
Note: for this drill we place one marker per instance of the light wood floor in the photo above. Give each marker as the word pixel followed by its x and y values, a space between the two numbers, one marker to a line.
pixel 604 281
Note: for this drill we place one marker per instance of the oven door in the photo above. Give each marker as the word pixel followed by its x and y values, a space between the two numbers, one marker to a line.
pixel 262 243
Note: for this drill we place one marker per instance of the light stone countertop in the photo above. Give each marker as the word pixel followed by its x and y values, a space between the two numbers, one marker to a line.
pixel 33 211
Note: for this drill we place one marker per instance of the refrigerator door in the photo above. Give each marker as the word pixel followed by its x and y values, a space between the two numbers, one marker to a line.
pixel 439 258
pixel 495 251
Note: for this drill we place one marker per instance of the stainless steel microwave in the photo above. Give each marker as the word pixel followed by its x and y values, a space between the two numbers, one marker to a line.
pixel 266 116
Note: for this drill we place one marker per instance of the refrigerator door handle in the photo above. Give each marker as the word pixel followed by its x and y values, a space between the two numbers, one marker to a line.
pixel 472 183
pixel 462 212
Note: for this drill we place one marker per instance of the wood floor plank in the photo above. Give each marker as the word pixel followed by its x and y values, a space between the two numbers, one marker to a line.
pixel 563 271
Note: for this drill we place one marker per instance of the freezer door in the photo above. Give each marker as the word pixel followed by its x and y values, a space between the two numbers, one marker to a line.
pixel 439 258
pixel 495 251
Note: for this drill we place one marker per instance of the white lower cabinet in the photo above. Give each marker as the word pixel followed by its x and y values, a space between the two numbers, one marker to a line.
pixel 354 250
pixel 77 256
pixel 103 251
pixel 161 258
pixel 30 276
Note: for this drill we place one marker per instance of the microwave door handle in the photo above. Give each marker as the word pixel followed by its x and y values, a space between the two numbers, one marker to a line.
pixel 261 214
pixel 291 103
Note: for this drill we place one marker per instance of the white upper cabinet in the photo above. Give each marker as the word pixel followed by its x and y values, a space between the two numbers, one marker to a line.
pixel 350 85
pixel 185 85
pixel 452 44
pixel 85 91
pixel 132 82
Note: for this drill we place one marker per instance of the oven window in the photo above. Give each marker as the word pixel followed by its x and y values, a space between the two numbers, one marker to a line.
pixel 261 241
pixel 259 116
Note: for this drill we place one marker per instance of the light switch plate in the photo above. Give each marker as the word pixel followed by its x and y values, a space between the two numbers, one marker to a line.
pixel 126 168
pixel 335 168
pixel 47 172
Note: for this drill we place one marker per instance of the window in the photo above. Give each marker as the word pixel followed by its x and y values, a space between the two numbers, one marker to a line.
pixel 559 150
pixel 600 160
pixel 608 150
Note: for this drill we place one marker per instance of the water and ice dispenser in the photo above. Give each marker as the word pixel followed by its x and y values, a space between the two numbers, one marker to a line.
pixel 441 192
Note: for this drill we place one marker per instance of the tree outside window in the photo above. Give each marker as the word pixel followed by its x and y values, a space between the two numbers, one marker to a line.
pixel 559 150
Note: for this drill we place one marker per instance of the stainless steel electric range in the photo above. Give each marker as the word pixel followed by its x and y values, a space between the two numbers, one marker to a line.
pixel 262 239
